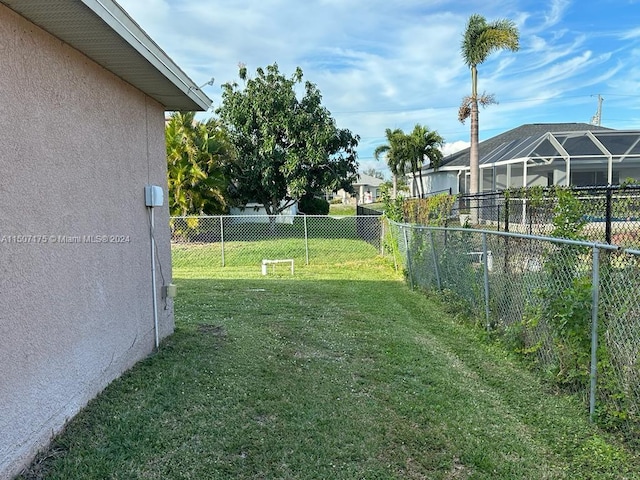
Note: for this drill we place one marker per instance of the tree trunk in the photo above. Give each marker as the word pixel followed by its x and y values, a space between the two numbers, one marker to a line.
pixel 473 149
pixel 394 180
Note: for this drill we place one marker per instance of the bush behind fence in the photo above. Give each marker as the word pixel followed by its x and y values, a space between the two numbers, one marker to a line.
pixel 571 308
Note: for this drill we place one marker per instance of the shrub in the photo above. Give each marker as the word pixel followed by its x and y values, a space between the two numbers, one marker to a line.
pixel 313 205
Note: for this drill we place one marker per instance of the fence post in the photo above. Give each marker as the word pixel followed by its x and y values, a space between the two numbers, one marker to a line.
pixel 306 240
pixel 485 257
pixel 607 231
pixel 222 237
pixel 506 215
pixel 381 219
pixel 406 246
pixel 435 260
pixel 595 296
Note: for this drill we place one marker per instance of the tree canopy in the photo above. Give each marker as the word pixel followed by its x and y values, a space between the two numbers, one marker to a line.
pixel 394 153
pixel 286 147
pixel 409 151
pixel 196 153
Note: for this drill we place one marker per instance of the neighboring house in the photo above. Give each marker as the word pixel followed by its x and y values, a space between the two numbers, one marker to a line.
pixel 577 154
pixel 84 95
pixel 256 213
pixel 367 190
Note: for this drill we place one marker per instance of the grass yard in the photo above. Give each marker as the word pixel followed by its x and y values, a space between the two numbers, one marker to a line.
pixel 342 209
pixel 339 372
pixel 205 260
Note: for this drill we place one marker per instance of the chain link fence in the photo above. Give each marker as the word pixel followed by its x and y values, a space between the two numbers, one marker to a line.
pixel 611 214
pixel 571 308
pixel 211 242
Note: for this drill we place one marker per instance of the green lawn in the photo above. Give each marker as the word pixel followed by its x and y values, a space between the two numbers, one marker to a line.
pixel 342 209
pixel 339 372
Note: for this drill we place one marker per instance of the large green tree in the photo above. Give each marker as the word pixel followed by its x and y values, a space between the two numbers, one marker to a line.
pixel 481 38
pixel 287 147
pixel 196 153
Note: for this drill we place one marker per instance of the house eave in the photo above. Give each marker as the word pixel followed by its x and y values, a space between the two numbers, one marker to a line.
pixel 105 33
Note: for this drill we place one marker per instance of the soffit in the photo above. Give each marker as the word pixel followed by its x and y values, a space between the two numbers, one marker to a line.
pixel 104 32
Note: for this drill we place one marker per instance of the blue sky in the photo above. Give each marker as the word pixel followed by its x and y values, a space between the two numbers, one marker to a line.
pixel 391 64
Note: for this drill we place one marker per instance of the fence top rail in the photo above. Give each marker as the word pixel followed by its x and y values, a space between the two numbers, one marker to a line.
pixel 520 193
pixel 581 243
pixel 300 215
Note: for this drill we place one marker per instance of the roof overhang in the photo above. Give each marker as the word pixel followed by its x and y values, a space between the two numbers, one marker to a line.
pixel 105 33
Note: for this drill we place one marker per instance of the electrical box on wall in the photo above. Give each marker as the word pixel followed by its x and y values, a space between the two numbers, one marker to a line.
pixel 153 196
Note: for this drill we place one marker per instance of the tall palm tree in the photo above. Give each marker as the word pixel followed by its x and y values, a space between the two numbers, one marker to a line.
pixel 396 155
pixel 479 41
pixel 425 144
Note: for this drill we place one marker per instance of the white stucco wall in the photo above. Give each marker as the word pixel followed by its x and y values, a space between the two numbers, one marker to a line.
pixel 77 147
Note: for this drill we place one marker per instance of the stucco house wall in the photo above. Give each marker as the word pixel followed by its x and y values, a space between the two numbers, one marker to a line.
pixel 78 145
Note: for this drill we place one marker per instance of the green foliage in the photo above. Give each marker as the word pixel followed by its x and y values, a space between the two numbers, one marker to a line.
pixel 434 210
pixel 312 205
pixel 628 182
pixel 406 152
pixel 287 147
pixel 482 38
pixel 393 207
pixel 196 152
pixel 564 303
pixel 569 316
pixel 568 220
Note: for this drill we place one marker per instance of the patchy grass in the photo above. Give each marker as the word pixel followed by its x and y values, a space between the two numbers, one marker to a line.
pixel 342 209
pixel 341 375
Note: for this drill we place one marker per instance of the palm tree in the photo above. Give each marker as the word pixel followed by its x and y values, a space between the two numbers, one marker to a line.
pixel 396 155
pixel 479 41
pixel 195 153
pixel 425 144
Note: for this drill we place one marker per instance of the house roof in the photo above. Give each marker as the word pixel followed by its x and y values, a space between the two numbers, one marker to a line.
pixel 368 180
pixel 104 32
pixel 530 141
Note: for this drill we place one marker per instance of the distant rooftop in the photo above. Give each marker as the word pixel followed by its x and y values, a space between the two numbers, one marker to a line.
pixel 531 141
pixel 368 180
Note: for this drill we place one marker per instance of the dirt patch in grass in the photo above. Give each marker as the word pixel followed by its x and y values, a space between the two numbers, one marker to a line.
pixel 214 330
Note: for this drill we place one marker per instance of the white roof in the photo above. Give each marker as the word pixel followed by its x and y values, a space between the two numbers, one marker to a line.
pixel 368 180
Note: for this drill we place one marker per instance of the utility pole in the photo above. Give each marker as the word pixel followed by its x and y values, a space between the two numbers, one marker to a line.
pixel 597 118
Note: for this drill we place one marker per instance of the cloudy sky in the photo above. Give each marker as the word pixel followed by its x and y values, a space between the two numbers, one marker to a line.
pixel 394 63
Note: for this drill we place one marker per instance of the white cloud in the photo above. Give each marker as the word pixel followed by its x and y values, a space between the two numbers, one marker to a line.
pixel 450 148
pixel 382 64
